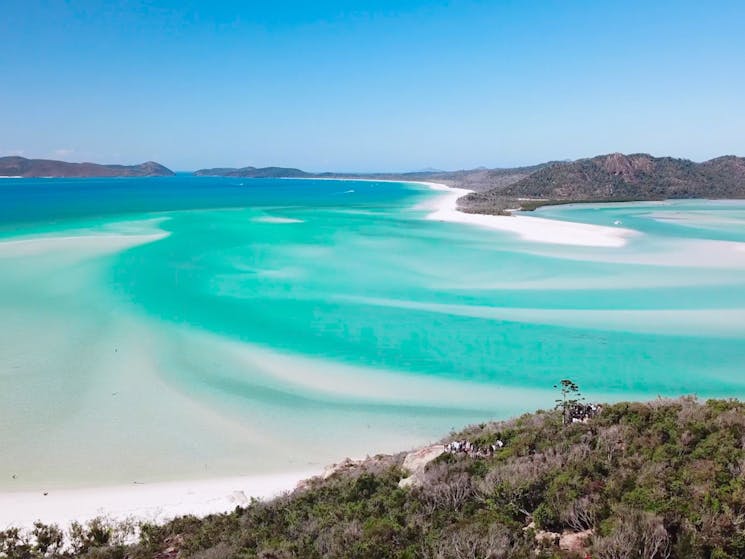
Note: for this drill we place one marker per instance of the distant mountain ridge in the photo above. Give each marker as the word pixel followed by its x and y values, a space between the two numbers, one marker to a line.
pixel 612 177
pixel 604 178
pixel 15 166
pixel 476 179
pixel 616 176
pixel 253 172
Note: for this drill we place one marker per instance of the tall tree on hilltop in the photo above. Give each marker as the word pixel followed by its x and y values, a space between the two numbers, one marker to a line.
pixel 570 398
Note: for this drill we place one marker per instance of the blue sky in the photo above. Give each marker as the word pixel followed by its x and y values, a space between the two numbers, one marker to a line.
pixel 369 86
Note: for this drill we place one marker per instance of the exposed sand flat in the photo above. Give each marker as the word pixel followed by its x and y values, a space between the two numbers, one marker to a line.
pixel 150 502
pixel 529 228
pixel 88 243
pixel 276 219
pixel 113 237
pixel 699 254
pixel 716 322
pixel 327 380
pixel 120 421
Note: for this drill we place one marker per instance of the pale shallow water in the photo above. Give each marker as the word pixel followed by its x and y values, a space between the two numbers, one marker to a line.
pixel 190 327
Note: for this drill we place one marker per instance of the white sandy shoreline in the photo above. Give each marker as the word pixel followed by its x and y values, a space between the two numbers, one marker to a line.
pixel 529 228
pixel 152 502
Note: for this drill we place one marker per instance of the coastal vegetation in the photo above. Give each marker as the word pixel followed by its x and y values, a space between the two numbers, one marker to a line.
pixel 615 178
pixel 663 479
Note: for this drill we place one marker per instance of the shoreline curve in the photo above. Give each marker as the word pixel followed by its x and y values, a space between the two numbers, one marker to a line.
pixel 529 228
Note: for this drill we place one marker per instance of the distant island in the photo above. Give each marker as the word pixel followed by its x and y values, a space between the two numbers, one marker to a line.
pixel 15 166
pixel 475 179
pixel 604 178
pixel 254 172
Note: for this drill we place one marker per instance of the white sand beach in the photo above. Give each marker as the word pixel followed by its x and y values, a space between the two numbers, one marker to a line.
pixel 536 229
pixel 528 228
pixel 155 502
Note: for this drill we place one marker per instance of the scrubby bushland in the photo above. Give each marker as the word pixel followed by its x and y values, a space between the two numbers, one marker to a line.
pixel 643 480
pixel 614 178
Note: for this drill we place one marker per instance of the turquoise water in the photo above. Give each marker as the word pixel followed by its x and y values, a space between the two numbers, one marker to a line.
pixel 194 327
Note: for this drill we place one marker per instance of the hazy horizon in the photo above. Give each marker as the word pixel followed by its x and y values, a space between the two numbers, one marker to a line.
pixel 362 171
pixel 386 86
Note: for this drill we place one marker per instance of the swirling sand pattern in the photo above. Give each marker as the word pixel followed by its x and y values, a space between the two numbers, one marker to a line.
pixel 194 328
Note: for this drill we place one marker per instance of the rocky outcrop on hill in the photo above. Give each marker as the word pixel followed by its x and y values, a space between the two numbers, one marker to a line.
pixel 415 463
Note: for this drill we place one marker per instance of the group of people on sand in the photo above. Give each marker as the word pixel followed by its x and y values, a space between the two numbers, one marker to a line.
pixel 470 449
pixel 580 413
